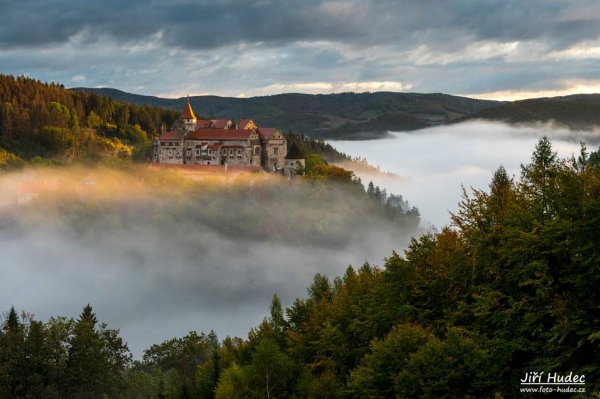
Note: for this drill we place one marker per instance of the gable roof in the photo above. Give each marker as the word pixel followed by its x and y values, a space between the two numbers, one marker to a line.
pixel 243 123
pixel 202 123
pixel 295 152
pixel 220 123
pixel 187 111
pixel 174 135
pixel 266 132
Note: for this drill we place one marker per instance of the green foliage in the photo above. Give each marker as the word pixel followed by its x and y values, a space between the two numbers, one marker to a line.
pixel 9 161
pixel 324 152
pixel 375 376
pixel 313 160
pixel 61 358
pixel 575 112
pixel 321 115
pixel 467 310
pixel 183 355
pixel 332 172
pixel 454 367
pixel 377 127
pixel 45 120
pixel 510 287
pixel 96 359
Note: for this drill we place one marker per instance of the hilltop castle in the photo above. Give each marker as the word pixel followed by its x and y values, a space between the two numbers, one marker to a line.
pixel 243 145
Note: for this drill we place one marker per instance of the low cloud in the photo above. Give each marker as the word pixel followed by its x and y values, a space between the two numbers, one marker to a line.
pixel 433 164
pixel 155 268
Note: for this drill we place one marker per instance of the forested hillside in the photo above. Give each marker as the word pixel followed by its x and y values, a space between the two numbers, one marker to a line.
pixel 335 116
pixel 46 120
pixel 580 112
pixel 511 287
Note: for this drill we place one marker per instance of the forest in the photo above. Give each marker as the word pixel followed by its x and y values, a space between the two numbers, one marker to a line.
pixel 340 116
pixel 46 120
pixel 575 112
pixel 510 287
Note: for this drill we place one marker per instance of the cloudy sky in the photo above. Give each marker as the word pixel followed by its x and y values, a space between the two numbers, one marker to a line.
pixel 497 49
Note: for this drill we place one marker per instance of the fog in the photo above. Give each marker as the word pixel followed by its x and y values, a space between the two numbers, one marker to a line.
pixel 433 163
pixel 157 255
pixel 153 273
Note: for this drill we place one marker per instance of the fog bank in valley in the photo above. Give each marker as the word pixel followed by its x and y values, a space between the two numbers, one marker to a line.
pixel 157 268
pixel 433 163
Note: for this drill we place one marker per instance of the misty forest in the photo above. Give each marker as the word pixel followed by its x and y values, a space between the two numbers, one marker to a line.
pixel 509 287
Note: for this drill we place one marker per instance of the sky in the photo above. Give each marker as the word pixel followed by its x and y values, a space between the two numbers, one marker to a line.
pixel 493 49
pixel 433 166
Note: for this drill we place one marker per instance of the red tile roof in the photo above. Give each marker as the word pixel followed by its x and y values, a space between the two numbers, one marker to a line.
pixel 266 132
pixel 220 123
pixel 243 122
pixel 187 111
pixel 295 152
pixel 224 134
pixel 172 135
pixel 203 123
pixel 215 146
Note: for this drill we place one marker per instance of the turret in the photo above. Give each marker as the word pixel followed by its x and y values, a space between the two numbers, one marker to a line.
pixel 294 162
pixel 187 117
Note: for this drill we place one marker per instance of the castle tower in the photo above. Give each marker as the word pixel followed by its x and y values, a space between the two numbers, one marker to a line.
pixel 294 162
pixel 187 118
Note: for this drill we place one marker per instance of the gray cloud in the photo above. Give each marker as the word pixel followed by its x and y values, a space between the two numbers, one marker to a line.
pixel 206 24
pixel 259 47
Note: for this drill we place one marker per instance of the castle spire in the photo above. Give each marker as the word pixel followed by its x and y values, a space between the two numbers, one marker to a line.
pixel 187 111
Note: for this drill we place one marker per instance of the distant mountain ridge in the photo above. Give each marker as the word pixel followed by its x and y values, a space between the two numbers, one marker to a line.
pixel 578 112
pixel 340 116
pixel 362 116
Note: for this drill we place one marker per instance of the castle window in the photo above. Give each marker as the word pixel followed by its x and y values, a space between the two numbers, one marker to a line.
pixel 177 144
pixel 189 143
pixel 275 150
pixel 256 150
pixel 163 143
pixel 197 153
pixel 170 144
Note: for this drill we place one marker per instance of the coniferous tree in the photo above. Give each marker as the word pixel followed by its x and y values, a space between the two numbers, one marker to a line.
pixel 371 190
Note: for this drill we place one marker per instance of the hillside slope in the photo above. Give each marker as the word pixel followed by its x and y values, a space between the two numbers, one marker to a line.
pixel 326 116
pixel 579 112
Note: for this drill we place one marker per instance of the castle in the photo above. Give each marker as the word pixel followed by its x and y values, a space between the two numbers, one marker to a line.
pixel 243 145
